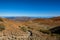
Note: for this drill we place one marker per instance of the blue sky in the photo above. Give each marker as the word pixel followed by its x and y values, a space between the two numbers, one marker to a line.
pixel 37 8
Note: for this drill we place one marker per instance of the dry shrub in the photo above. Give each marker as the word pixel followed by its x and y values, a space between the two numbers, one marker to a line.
pixel 2 27
pixel 1 19
pixel 23 28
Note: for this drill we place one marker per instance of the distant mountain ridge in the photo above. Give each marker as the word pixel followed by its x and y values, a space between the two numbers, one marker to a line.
pixel 20 18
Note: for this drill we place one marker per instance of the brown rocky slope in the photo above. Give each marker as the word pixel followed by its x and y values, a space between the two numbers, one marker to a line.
pixel 36 29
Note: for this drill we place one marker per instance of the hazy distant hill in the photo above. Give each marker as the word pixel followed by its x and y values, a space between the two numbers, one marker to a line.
pixel 21 18
pixel 52 21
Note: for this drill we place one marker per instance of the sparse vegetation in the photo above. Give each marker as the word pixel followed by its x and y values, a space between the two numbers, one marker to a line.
pixel 1 20
pixel 30 28
pixel 23 28
pixel 2 27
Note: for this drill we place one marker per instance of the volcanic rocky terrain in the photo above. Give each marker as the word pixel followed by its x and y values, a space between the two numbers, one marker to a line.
pixel 26 28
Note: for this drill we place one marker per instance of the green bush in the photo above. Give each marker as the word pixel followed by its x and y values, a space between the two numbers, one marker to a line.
pixel 2 27
pixel 23 28
pixel 30 28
